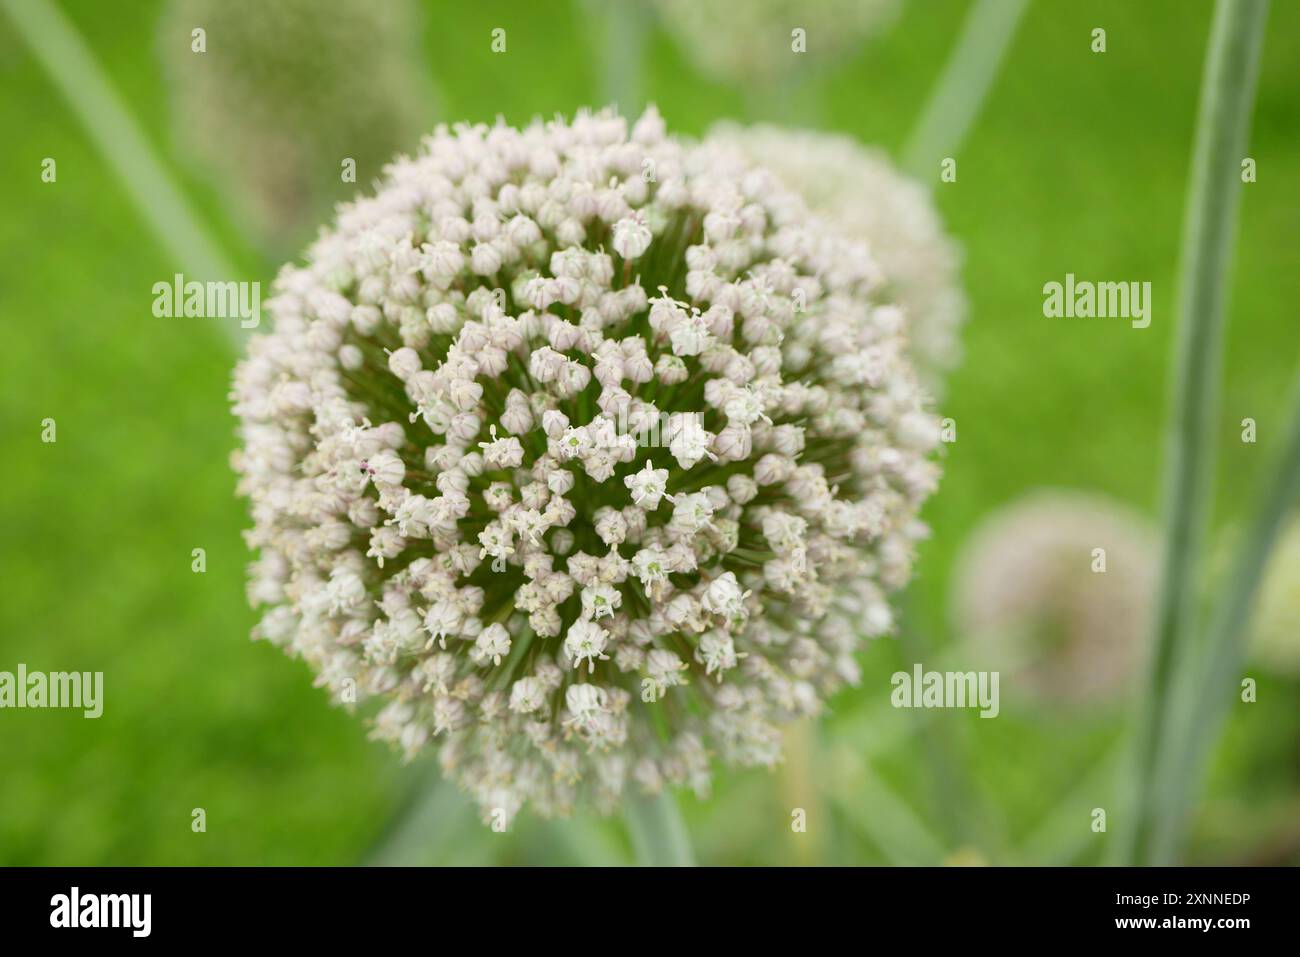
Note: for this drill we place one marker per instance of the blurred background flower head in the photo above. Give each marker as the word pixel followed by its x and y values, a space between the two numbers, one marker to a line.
pixel 751 42
pixel 1276 641
pixel 281 94
pixel 1057 588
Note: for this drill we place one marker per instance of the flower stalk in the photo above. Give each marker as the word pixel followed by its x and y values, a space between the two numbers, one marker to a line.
pixel 959 94
pixel 658 833
pixel 1227 95
pixel 72 68
pixel 1213 684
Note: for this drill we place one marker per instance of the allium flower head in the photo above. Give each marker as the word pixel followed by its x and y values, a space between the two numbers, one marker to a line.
pixel 285 91
pixel 589 454
pixel 862 192
pixel 1029 586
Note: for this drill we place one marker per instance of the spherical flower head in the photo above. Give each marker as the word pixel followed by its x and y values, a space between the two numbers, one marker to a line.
pixel 283 93
pixel 1058 586
pixel 865 195
pixel 550 534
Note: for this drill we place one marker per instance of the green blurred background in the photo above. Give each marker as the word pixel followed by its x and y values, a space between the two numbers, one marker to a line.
pixel 1078 163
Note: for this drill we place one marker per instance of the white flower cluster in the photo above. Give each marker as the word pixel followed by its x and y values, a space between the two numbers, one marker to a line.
pixel 1031 586
pixel 453 509
pixel 862 192
pixel 752 41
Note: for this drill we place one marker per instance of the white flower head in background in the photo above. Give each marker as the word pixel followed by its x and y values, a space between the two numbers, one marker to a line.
pixel 284 94
pixel 1276 642
pixel 454 512
pixel 764 41
pixel 1058 586
pixel 861 191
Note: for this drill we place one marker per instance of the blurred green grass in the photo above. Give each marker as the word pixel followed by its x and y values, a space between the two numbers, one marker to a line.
pixel 1077 164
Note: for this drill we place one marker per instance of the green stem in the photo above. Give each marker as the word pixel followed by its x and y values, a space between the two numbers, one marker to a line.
pixel 588 842
pixel 958 95
pixel 625 32
pixel 1213 685
pixel 619 29
pixel 419 834
pixel 1063 836
pixel 659 836
pixel 884 818
pixel 1227 95
pixel 72 67
pixel 953 791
